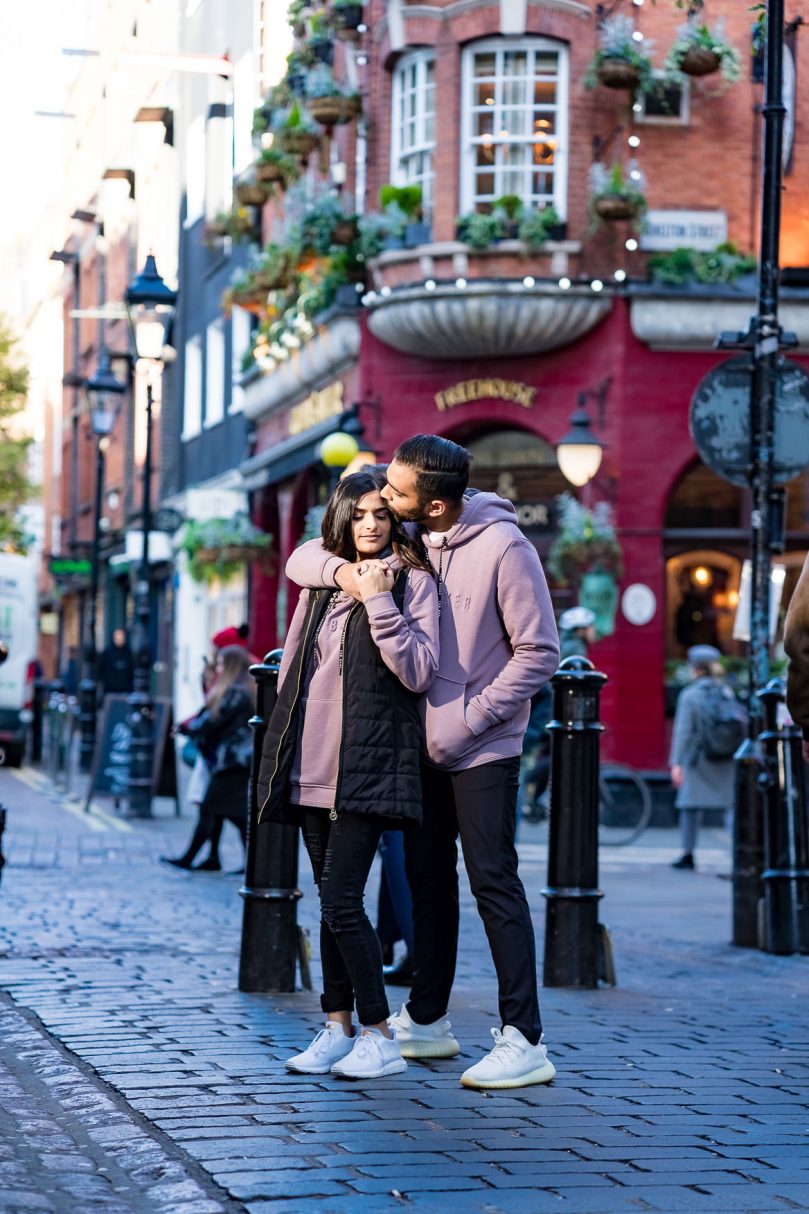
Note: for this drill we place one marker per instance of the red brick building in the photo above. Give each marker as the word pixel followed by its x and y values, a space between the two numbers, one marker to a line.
pixel 493 346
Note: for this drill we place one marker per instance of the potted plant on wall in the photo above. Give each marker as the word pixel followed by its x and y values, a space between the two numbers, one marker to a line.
pixel 586 555
pixel 347 18
pixel 219 548
pixel 701 50
pixel 327 102
pixel 296 134
pixel 539 225
pixel 408 200
pixel 252 193
pixel 616 193
pixel 622 61
pixel 273 165
pixel 238 223
pixel 480 229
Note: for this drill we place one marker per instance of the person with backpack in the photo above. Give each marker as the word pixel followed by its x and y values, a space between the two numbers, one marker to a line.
pixel 709 726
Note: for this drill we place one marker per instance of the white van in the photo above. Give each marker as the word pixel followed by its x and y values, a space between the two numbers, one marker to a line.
pixel 18 632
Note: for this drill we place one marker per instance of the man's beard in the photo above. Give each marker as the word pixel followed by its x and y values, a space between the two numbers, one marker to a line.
pixel 416 514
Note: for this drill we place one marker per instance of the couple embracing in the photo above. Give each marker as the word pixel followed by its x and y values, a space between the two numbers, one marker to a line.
pixel 404 694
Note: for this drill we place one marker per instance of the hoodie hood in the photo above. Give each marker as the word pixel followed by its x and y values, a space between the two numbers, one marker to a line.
pixel 480 511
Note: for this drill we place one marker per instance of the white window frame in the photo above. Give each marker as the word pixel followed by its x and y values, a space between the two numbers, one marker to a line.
pixel 241 334
pixel 562 106
pixel 195 170
pixel 214 373
pixel 681 119
pixel 192 392
pixel 421 60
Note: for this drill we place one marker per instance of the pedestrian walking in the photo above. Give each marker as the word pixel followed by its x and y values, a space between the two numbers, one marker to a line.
pixel 116 667
pixel 395 911
pixel 576 632
pixel 796 644
pixel 222 732
pixel 498 647
pixel 341 755
pixel 709 726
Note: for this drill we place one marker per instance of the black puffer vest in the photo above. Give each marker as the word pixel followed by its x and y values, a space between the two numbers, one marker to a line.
pixel 380 745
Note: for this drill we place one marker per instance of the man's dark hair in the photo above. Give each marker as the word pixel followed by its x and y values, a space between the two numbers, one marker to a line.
pixel 337 521
pixel 441 466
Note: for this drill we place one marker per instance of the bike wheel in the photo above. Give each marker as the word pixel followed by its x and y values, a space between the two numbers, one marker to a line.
pixel 624 805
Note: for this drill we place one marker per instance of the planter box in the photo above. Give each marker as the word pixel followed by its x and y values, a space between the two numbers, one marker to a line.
pixel 417 234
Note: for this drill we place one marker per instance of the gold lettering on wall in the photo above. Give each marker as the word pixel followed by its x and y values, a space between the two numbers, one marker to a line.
pixel 486 389
pixel 317 407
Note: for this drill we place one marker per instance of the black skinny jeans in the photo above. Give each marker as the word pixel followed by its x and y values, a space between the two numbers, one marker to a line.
pixel 481 805
pixel 341 853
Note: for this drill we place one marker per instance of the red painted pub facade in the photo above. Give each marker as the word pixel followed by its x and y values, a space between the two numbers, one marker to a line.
pixel 494 348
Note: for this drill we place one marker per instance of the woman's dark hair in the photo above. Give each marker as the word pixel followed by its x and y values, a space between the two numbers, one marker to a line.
pixel 235 664
pixel 337 521
pixel 441 466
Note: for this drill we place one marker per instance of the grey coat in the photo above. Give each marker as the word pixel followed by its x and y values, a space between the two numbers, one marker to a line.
pixel 707 783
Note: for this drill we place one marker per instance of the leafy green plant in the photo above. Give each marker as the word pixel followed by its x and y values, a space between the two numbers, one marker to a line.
pixel 617 42
pixel 219 548
pixel 586 540
pixel 284 167
pixel 479 230
pixel 511 205
pixel 238 223
pixel 408 198
pixel 15 486
pixel 536 225
pixel 684 265
pixel 321 82
pixel 700 37
pixel 319 222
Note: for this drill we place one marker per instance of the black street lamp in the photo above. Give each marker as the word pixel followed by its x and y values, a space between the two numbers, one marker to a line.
pixel 150 306
pixel 104 391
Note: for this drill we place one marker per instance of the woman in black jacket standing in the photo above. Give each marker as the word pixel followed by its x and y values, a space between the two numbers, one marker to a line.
pixel 222 734
pixel 341 755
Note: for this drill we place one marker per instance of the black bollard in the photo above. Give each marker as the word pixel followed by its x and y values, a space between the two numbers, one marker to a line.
pixel 785 926
pixel 2 829
pixel 573 935
pixel 37 714
pixel 748 844
pixel 269 925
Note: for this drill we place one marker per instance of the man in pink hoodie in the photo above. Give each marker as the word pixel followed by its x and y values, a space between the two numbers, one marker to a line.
pixel 498 646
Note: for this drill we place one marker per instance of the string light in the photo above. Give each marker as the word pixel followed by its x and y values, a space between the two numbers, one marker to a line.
pixel 637 107
pixel 460 283
pixel 637 36
pixel 528 281
pixel 385 291
pixel 429 284
pixel 564 283
pixel 631 244
pixel 619 275
pixel 596 285
pixel 362 60
pixel 634 141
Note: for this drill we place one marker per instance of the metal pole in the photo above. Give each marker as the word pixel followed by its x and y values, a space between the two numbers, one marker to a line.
pixel 269 947
pixel 141 709
pixel 88 694
pixel 573 935
pixel 786 876
pixel 748 855
pixel 2 829
pixel 38 710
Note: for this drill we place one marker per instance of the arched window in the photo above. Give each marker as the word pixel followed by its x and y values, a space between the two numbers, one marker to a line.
pixel 413 125
pixel 515 120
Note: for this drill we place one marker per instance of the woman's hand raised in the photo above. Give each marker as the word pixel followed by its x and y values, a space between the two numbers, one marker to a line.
pixel 374 577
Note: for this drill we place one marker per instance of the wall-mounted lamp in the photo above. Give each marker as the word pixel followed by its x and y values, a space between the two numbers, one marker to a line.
pixel 580 452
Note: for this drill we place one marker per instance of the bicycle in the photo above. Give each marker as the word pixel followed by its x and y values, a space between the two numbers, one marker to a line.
pixel 624 807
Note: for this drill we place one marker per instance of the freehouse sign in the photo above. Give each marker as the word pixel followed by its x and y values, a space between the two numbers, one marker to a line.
pixel 485 389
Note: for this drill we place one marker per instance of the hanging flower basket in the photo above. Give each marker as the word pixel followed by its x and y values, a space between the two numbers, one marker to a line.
pixel 230 554
pixel 252 298
pixel 344 232
pixel 618 74
pixel 334 110
pixel 297 142
pixel 700 61
pixel 219 548
pixel 586 542
pixel 251 193
pixel 615 209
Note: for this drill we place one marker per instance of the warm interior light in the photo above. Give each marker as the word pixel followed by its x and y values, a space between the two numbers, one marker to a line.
pixel 701 576
pixel 733 598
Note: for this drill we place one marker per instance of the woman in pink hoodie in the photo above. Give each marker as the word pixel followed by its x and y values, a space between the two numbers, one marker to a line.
pixel 342 751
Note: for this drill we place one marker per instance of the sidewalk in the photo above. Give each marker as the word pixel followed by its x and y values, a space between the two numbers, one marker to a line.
pixel 684 1088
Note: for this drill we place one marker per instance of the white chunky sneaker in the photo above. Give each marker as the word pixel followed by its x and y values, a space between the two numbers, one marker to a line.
pixel 513 1063
pixel 373 1056
pixel 328 1047
pixel 434 1040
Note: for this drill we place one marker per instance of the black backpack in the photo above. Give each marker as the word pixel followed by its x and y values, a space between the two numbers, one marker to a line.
pixel 722 721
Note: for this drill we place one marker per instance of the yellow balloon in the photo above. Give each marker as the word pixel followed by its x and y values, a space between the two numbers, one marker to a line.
pixel 338 449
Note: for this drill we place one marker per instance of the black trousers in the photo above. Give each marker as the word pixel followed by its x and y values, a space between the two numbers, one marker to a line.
pixel 341 853
pixel 480 805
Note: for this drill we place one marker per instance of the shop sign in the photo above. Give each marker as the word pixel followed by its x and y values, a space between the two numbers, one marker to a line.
pixel 318 407
pixel 67 567
pixel 485 389
pixel 662 231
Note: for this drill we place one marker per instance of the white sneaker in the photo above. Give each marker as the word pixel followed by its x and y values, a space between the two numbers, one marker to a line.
pixel 434 1040
pixel 373 1056
pixel 329 1046
pixel 513 1063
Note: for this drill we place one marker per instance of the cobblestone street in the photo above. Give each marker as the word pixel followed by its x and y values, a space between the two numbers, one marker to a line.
pixel 135 1077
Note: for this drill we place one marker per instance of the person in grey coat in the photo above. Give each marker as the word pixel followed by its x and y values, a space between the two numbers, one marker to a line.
pixel 701 783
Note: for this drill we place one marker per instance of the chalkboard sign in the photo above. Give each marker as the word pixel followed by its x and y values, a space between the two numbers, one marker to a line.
pixel 110 773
